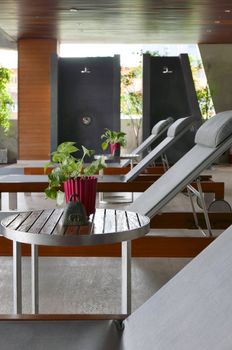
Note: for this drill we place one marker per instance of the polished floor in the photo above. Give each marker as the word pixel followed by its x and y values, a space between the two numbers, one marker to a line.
pixel 93 285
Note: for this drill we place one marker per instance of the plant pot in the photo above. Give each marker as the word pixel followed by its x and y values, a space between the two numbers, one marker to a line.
pixel 85 188
pixel 115 149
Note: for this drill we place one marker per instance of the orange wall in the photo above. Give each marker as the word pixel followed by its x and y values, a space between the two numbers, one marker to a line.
pixel 34 97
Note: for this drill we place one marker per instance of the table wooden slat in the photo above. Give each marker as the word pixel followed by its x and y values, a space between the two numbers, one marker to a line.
pixel 41 221
pixel 59 228
pixel 30 220
pixel 98 221
pixel 18 220
pixel 121 221
pixel 133 220
pixel 9 219
pixel 50 225
pixel 110 225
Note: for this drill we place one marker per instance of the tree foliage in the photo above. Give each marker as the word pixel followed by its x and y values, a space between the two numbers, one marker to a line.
pixel 205 102
pixel 131 98
pixel 6 100
pixel 204 93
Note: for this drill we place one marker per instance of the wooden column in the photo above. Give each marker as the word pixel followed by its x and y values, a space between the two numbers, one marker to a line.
pixel 34 97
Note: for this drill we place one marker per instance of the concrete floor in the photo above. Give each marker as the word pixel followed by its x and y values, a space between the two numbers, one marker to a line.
pixel 93 285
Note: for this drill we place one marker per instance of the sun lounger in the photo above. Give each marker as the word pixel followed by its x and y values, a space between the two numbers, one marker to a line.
pixel 175 132
pixel 157 130
pixel 212 139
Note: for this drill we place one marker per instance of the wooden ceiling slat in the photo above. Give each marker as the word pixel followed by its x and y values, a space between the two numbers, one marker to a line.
pixel 141 21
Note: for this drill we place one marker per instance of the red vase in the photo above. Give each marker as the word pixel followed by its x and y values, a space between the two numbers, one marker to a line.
pixel 86 188
pixel 115 149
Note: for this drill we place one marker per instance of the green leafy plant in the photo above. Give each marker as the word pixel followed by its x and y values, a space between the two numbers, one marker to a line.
pixel 67 166
pixel 113 137
pixel 5 99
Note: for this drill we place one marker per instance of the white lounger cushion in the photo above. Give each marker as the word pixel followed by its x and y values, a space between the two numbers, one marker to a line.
pixel 215 130
pixel 184 171
pixel 161 125
pixel 179 125
pixel 193 311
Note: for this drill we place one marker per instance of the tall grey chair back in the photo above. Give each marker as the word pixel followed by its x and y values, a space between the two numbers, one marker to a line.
pixel 157 130
pixel 212 139
pixel 175 131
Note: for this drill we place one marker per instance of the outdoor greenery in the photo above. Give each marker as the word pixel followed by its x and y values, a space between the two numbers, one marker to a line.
pixel 131 94
pixel 204 94
pixel 131 98
pixel 205 102
pixel 113 137
pixel 67 166
pixel 5 99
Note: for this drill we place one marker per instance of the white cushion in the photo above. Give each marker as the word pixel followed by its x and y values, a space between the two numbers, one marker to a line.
pixel 215 130
pixel 161 125
pixel 179 125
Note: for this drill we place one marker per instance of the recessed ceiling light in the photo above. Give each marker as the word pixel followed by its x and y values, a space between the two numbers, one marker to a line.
pixel 217 22
pixel 227 11
pixel 73 9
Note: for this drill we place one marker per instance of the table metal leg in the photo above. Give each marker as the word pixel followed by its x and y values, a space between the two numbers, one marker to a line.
pixel 126 277
pixel 34 279
pixel 17 277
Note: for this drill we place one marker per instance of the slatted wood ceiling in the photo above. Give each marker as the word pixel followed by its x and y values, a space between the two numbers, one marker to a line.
pixel 113 21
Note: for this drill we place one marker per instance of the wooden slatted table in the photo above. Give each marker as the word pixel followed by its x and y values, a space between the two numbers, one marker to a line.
pixel 46 228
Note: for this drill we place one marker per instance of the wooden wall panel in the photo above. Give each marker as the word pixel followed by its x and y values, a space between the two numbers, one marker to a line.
pixel 34 97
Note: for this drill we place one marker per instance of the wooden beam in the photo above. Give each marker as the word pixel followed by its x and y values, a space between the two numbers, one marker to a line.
pixel 149 174
pixel 149 246
pixel 174 220
pixel 135 186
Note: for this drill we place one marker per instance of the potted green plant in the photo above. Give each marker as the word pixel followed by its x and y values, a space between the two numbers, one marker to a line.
pixel 114 139
pixel 72 175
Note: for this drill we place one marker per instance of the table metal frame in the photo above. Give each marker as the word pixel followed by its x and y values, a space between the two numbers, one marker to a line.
pixel 30 238
pixel 17 278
